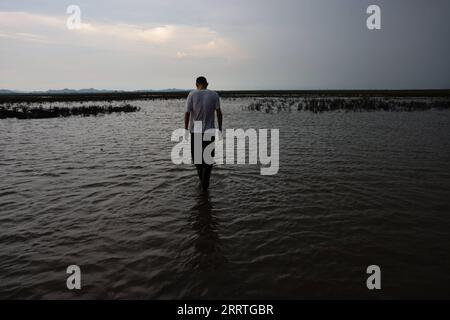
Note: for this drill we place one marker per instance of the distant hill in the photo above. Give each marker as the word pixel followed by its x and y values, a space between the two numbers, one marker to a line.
pixel 88 90
pixel 66 90
pixel 5 91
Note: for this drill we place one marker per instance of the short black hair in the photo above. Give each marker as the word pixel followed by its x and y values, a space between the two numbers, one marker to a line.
pixel 201 80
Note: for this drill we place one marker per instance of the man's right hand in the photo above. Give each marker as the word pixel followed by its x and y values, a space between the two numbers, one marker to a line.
pixel 219 135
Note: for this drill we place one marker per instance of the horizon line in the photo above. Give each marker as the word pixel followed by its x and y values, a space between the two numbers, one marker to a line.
pixel 95 90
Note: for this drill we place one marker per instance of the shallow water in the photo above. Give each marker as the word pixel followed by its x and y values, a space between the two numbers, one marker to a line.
pixel 353 189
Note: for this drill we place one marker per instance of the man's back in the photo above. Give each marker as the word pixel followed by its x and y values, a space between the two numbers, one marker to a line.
pixel 202 104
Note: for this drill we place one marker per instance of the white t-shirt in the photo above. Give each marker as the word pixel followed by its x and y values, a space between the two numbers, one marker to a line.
pixel 202 104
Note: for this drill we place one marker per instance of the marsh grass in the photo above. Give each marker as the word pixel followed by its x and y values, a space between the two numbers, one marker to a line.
pixel 39 112
pixel 318 105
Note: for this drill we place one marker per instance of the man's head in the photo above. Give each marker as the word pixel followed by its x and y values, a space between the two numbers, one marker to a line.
pixel 201 83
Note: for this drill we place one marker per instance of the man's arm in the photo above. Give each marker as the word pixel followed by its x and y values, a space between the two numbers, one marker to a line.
pixel 219 118
pixel 189 108
pixel 187 115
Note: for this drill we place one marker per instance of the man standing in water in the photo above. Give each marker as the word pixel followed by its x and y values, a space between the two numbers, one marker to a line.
pixel 201 105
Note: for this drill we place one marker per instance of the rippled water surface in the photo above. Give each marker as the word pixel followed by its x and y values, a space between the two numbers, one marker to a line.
pixel 353 189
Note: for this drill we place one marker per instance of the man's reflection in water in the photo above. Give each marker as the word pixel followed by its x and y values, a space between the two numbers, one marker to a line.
pixel 206 241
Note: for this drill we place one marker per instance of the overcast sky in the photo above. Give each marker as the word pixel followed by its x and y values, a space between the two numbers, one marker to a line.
pixel 237 44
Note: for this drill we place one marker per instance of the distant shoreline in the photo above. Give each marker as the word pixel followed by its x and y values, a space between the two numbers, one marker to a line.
pixel 155 95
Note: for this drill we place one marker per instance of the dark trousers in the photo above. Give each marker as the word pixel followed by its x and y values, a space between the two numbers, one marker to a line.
pixel 203 169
